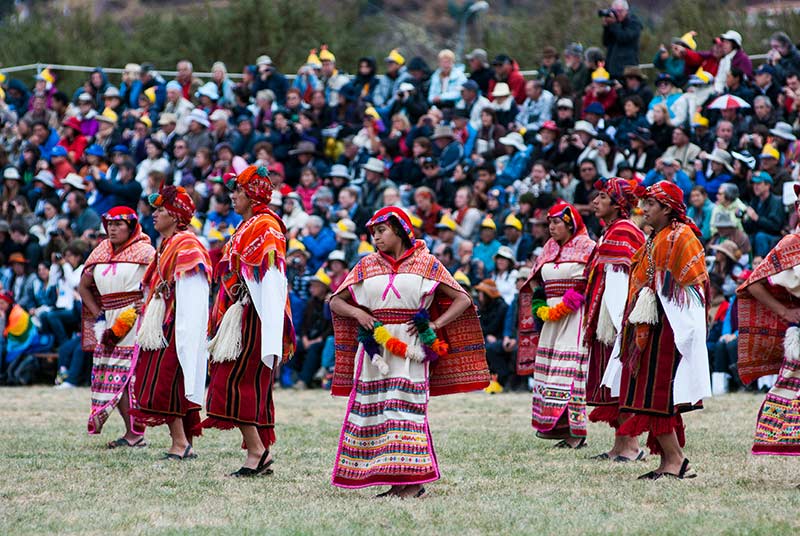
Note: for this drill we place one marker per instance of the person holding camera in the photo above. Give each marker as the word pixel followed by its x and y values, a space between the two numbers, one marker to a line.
pixel 621 32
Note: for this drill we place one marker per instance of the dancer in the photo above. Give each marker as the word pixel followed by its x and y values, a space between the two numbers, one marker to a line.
pixel 607 288
pixel 404 330
pixel 769 312
pixel 110 290
pixel 170 376
pixel 665 361
pixel 551 304
pixel 252 334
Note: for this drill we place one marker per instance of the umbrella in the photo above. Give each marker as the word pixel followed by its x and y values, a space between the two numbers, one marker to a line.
pixel 728 102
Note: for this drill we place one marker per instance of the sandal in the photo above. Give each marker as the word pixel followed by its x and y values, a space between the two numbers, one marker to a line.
pixel 682 474
pixel 602 456
pixel 261 469
pixel 563 444
pixel 386 493
pixel 624 459
pixel 122 442
pixel 177 457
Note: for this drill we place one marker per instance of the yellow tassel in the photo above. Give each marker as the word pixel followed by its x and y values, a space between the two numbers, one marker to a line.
pixel 382 335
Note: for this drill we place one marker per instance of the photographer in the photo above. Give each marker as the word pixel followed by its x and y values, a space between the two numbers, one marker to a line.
pixel 621 31
pixel 269 78
pixel 409 102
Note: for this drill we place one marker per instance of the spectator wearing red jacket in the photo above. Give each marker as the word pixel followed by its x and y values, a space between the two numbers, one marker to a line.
pixel 73 140
pixel 507 70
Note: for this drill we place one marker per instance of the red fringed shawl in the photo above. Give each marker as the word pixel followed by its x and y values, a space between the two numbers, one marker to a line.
pixel 578 249
pixel 620 242
pixel 257 245
pixel 761 331
pixel 137 250
pixel 463 369
pixel 180 255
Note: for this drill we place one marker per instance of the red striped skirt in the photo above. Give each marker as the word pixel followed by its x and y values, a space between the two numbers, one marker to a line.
pixel 240 391
pixel 607 406
pixel 158 388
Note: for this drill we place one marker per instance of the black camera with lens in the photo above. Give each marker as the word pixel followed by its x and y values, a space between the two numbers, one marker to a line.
pixel 608 12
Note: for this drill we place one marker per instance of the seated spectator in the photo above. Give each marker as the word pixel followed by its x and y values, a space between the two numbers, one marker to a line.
pixel 770 163
pixel 720 164
pixel 319 240
pixel 65 274
pixel 23 242
pixel 505 273
pixel 375 183
pixel 82 218
pixel 487 246
pixel 727 265
pixel 518 157
pixel 536 108
pixel 446 80
pixel 765 217
pixel 520 244
pixel 669 169
pixel 700 209
pixel 492 309
pixel 314 329
pixel 21 340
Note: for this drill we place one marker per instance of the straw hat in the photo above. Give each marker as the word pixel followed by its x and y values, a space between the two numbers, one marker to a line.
pixel 488 287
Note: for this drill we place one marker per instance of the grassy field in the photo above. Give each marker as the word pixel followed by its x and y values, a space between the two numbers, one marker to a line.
pixel 497 478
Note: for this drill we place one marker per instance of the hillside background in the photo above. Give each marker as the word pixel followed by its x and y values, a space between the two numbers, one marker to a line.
pixel 114 32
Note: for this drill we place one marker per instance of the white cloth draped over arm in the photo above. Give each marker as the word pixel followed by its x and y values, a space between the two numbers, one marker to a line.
pixel 615 295
pixel 191 333
pixel 269 299
pixel 692 379
pixel 788 279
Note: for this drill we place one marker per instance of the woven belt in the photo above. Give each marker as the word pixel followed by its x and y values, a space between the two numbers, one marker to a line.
pixel 120 300
pixel 556 288
pixel 393 316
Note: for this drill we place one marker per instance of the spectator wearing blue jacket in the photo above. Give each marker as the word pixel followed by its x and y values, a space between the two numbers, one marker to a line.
pixel 669 169
pixel 666 94
pixel 519 155
pixel 699 210
pixel 319 240
pixel 721 170
pixel 47 136
pixel 446 81
pixel 447 148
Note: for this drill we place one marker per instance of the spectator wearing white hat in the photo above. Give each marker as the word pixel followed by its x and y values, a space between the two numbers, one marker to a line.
pixel 198 135
pixel 504 105
pixel 178 105
pixel 733 56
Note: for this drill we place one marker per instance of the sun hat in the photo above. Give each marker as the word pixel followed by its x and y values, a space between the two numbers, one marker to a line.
pixel 514 139
pixel 565 103
pixel 303 147
pixel 488 287
pixel 769 151
pixel 199 116
pixel 74 180
pixel 375 165
pixel 722 220
pixel 505 253
pixel 12 173
pixel 443 131
pixel 730 249
pixel 783 131
pixel 338 170
pixel 721 156
pixel 209 89
pixel 501 89
pixel 111 92
pixel 585 126
pixel 337 255
pixel 45 177
pixel 345 228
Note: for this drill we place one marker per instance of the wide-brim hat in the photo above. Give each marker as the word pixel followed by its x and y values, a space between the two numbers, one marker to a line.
pixel 338 170
pixel 730 249
pixel 784 131
pixel 346 229
pixel 17 257
pixel 633 71
pixel 304 147
pixel 375 165
pixel 501 89
pixel 506 253
pixel 514 139
pixel 443 131
pixel 74 180
pixel 199 116
pixel 488 287
pixel 723 157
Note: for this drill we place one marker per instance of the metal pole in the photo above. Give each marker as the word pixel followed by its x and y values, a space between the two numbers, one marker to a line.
pixel 462 36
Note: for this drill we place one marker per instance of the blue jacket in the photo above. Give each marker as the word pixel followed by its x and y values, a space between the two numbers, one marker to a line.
pixel 712 185
pixel 702 217
pixel 681 179
pixel 320 247
pixel 485 253
pixel 454 83
pixel 515 167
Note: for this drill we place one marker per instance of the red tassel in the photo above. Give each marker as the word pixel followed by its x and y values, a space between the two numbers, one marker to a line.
pixel 397 347
pixel 440 347
pixel 607 414
pixel 654 426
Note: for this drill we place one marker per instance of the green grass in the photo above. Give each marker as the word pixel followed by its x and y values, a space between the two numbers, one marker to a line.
pixel 497 478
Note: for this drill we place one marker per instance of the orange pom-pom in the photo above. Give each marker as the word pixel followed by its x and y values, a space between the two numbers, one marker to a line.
pixel 397 347
pixel 440 347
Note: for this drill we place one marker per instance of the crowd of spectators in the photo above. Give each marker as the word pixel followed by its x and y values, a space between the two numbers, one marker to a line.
pixel 474 150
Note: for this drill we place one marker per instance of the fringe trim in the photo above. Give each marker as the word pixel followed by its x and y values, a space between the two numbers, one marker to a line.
pixel 227 343
pixel 791 344
pixel 654 426
pixel 606 332
pixel 151 332
pixel 606 414
pixel 646 309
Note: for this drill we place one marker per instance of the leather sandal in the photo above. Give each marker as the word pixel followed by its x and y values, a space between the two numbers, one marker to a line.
pixel 122 442
pixel 187 455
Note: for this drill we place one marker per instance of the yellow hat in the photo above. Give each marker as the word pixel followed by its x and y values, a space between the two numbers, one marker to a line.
pixel 415 220
pixel 513 221
pixel 196 224
pixel 322 277
pixel 110 114
pixel 47 76
pixel 688 40
pixel 150 93
pixel 601 75
pixel 215 236
pixel 325 54
pixel 488 223
pixel 396 57
pixel 2 78
pixel 447 223
pixel 313 59
pixel 146 121
pixel 699 121
pixel 2 94
pixel 295 244
pixel 462 278
pixel 770 152
pixel 705 76
pixel 372 112
pixel 365 248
